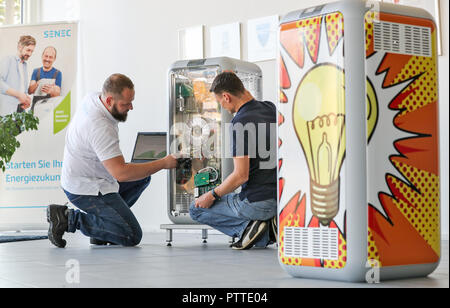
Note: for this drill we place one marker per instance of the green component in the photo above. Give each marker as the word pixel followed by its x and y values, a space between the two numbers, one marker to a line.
pixel 201 179
pixel 185 90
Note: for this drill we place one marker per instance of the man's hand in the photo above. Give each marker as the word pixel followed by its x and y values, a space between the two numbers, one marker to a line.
pixel 25 101
pixel 170 161
pixel 47 88
pixel 205 201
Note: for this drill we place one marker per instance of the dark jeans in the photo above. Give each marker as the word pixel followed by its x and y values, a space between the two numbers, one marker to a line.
pixel 109 217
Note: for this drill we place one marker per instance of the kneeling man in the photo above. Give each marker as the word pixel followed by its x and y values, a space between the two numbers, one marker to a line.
pixel 251 214
pixel 96 178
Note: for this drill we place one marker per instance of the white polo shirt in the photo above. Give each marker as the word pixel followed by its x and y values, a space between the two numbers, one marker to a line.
pixel 92 137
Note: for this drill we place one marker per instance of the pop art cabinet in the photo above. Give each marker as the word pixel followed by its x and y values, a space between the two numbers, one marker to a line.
pixel 358 143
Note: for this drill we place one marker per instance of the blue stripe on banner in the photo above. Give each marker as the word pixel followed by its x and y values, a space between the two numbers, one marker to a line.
pixel 22 207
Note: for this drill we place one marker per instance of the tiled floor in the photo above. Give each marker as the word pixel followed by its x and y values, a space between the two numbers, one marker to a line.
pixel 188 263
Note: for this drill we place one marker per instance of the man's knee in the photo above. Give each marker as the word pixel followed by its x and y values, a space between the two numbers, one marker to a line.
pixel 133 238
pixel 144 182
pixel 148 179
pixel 194 211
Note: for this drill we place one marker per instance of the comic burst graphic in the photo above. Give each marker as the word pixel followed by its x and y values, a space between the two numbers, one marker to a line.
pixel 403 194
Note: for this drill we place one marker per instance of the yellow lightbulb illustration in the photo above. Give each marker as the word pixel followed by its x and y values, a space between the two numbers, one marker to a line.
pixel 319 121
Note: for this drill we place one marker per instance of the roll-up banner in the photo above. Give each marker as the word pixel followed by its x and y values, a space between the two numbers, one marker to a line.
pixel 47 74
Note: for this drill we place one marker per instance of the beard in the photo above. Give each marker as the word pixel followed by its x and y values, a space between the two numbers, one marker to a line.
pixel 121 117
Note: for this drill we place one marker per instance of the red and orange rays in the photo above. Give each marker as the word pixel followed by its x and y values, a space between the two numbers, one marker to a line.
pixel 410 232
pixel 295 36
pixel 292 42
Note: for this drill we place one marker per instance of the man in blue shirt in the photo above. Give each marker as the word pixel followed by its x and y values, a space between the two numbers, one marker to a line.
pixel 48 73
pixel 251 214
pixel 14 78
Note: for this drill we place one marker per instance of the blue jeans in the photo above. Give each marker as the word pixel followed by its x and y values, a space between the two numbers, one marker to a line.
pixel 231 215
pixel 109 217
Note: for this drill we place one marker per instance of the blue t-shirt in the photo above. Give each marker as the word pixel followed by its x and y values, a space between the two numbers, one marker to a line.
pixel 255 123
pixel 48 75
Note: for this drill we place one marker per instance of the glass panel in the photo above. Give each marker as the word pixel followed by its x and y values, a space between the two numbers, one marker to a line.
pixel 252 83
pixel 195 133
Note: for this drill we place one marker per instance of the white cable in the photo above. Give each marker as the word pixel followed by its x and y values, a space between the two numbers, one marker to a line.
pixel 214 170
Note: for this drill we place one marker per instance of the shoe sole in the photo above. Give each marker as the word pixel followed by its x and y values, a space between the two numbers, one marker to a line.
pixel 274 225
pixel 50 233
pixel 97 242
pixel 261 229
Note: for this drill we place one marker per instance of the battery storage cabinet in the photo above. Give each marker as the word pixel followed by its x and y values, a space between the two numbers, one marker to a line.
pixel 197 126
pixel 359 186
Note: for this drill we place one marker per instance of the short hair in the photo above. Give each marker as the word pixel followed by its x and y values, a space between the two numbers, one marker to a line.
pixel 48 47
pixel 26 40
pixel 116 83
pixel 227 82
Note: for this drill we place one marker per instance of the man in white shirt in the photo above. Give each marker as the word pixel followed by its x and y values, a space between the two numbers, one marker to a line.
pixel 95 177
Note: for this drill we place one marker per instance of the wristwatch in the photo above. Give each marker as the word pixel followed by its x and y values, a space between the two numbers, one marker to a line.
pixel 216 196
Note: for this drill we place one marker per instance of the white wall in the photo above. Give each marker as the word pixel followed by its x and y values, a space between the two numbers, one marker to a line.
pixel 58 10
pixel 139 38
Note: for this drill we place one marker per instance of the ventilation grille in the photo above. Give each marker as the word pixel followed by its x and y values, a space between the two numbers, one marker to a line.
pixel 183 201
pixel 402 39
pixel 311 243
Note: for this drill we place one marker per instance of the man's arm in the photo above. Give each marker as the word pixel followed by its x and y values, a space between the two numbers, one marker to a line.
pixel 24 99
pixel 33 82
pixel 124 172
pixel 33 86
pixel 55 91
pixel 238 177
pixel 4 68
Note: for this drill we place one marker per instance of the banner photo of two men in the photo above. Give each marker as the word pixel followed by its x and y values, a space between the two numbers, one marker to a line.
pixel 38 76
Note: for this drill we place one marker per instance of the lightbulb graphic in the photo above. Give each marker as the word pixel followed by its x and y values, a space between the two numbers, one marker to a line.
pixel 319 121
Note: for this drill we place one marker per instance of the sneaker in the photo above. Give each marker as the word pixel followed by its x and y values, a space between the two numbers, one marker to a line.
pixel 273 230
pixel 58 219
pixel 251 235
